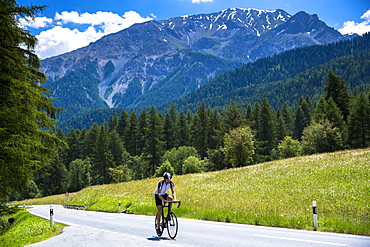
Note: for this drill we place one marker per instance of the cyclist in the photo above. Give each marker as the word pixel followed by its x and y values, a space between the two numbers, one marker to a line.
pixel 160 195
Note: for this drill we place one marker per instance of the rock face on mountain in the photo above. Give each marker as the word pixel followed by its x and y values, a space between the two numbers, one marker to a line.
pixel 157 61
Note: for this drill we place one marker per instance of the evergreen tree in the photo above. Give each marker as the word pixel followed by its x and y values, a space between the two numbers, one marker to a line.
pixel 266 129
pixel 327 110
pixel 122 125
pixel 132 135
pixel 143 129
pixel 281 126
pixel 359 121
pixel 75 147
pixel 303 117
pixel 80 174
pixel 216 134
pixel 154 144
pixel 288 119
pixel 27 115
pixel 102 158
pixel 113 122
pixel 201 124
pixel 232 117
pixel 338 91
pixel 115 146
pixel 90 141
pixel 53 179
pixel 170 129
pixel 184 130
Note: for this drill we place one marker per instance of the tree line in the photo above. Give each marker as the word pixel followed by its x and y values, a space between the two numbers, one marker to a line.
pixel 133 146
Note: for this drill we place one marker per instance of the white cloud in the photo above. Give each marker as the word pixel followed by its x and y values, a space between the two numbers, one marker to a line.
pixel 38 22
pixel 61 38
pixel 351 27
pixel 58 40
pixel 201 1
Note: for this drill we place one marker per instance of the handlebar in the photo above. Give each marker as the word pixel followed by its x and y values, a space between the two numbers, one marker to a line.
pixel 179 202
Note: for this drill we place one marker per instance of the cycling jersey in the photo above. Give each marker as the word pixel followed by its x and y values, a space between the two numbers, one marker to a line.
pixel 164 187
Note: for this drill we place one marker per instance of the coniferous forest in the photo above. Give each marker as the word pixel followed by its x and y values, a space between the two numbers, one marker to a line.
pixel 304 101
pixel 133 146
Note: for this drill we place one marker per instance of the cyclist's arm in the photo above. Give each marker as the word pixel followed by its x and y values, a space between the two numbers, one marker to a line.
pixel 173 194
pixel 160 195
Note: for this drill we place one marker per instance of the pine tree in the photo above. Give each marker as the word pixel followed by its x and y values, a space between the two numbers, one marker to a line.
pixel 27 115
pixel 90 140
pixel 338 91
pixel 303 117
pixel 102 158
pixel 80 174
pixel 123 122
pixel 132 135
pixel 113 122
pixel 75 147
pixel 266 129
pixel 281 126
pixel 201 130
pixel 54 178
pixel 232 117
pixel 327 110
pixel 288 119
pixel 170 129
pixel 184 130
pixel 154 144
pixel 359 122
pixel 143 129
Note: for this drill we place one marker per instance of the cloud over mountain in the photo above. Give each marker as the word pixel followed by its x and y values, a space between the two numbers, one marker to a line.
pixel 351 27
pixel 71 30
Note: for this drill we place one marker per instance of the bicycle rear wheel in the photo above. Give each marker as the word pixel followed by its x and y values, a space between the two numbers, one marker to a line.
pixel 172 225
pixel 161 227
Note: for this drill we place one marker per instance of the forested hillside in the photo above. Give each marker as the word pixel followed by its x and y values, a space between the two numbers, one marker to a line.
pixel 281 78
pixel 252 79
pixel 134 145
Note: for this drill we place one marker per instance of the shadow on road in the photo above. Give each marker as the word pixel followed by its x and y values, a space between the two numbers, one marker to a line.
pixel 156 238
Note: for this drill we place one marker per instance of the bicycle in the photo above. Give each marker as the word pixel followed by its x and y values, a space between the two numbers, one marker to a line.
pixel 169 222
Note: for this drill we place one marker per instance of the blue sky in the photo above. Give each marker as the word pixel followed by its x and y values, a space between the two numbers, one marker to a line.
pixel 70 24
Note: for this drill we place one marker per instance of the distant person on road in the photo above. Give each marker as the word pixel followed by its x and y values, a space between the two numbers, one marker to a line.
pixel 161 195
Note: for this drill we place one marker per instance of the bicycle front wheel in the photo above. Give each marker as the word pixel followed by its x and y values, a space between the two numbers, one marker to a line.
pixel 172 225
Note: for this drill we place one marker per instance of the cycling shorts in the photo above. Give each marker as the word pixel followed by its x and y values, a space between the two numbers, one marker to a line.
pixel 158 201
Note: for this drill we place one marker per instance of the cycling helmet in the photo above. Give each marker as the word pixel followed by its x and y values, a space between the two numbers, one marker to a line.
pixel 167 175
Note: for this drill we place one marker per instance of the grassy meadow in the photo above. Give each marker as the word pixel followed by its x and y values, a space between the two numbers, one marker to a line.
pixel 277 193
pixel 28 229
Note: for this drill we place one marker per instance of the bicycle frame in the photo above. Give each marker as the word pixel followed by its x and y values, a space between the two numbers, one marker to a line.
pixel 170 221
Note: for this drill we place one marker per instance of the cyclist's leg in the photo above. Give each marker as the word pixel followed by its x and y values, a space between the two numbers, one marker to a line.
pixel 158 203
pixel 158 216
pixel 169 198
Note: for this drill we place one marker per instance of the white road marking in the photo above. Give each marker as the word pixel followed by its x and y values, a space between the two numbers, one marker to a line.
pixel 108 218
pixel 300 240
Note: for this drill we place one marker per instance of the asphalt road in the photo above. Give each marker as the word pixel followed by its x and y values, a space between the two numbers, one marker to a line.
pixel 87 228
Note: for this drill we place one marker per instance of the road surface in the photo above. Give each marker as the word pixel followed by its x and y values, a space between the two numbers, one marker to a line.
pixel 88 228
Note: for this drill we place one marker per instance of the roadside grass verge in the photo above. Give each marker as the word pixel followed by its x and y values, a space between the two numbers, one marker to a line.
pixel 277 193
pixel 28 229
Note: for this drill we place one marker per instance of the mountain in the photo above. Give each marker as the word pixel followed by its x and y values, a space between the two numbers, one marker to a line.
pixel 154 62
pixel 286 77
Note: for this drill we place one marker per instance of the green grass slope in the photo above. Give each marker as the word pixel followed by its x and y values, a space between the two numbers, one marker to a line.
pixel 28 229
pixel 278 193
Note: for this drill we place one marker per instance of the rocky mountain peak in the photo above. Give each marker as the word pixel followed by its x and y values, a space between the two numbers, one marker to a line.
pixel 157 61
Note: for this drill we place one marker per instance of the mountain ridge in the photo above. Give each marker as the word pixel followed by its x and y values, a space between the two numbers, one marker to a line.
pixel 157 61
